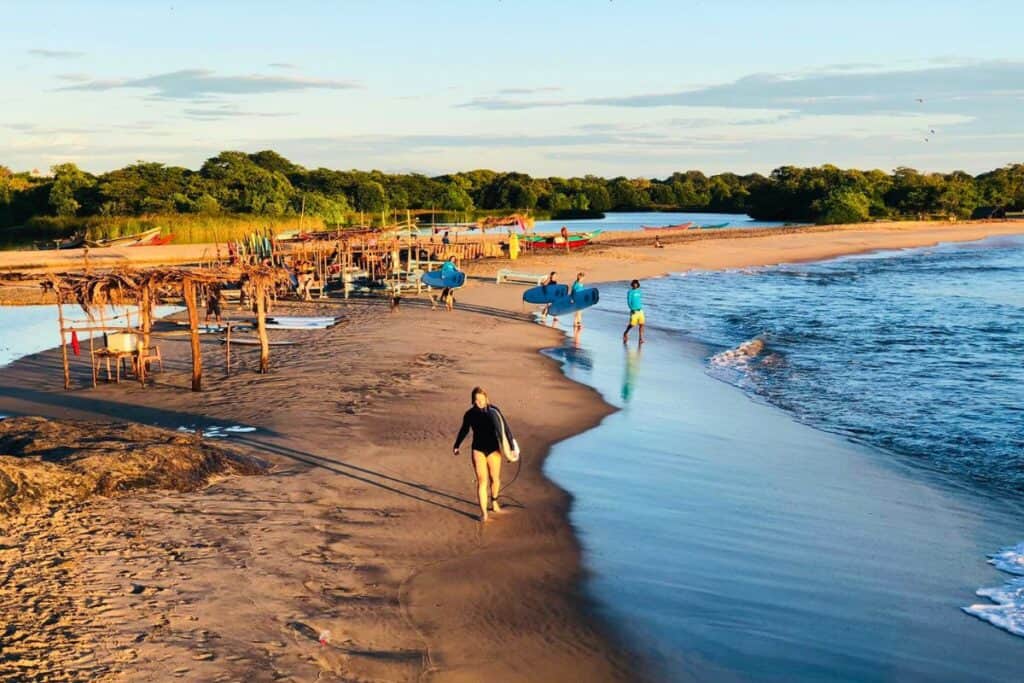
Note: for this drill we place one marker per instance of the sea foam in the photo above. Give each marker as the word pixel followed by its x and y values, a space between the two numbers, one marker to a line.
pixel 1007 608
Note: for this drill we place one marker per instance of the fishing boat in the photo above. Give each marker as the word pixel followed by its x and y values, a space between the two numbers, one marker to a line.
pixel 680 226
pixel 157 241
pixel 126 240
pixel 72 242
pixel 712 227
pixel 549 242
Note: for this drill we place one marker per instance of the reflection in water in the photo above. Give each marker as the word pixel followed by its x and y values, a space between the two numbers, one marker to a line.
pixel 575 355
pixel 629 373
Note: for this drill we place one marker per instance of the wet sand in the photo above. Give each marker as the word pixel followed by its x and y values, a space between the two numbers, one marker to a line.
pixel 366 525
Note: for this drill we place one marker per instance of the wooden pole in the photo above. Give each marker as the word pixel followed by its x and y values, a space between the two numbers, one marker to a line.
pixel 227 348
pixel 189 291
pixel 261 328
pixel 63 345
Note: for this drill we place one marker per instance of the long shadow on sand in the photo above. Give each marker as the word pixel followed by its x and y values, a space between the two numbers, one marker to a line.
pixel 362 474
pixel 11 398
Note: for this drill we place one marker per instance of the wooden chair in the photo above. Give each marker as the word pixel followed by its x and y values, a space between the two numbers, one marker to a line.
pixel 147 356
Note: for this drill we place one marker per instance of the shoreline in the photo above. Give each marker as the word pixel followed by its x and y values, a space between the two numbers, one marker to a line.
pixel 543 544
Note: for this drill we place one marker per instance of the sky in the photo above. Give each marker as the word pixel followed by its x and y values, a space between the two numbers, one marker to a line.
pixel 638 88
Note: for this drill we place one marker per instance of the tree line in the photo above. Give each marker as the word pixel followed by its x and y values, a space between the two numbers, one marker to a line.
pixel 265 183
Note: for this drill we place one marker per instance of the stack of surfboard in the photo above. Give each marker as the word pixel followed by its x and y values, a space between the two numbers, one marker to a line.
pixel 558 300
pixel 438 279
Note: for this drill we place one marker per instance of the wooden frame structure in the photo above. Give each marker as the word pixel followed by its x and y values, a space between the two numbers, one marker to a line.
pixel 142 288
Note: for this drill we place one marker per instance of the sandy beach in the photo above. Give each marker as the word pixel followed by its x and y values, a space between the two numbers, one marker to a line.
pixel 365 527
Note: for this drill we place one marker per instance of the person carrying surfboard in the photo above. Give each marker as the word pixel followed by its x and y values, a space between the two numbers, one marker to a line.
pixel 634 299
pixel 576 287
pixel 544 285
pixel 492 438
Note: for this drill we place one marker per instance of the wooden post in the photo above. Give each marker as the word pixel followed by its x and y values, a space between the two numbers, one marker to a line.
pixel 145 314
pixel 227 348
pixel 63 345
pixel 189 292
pixel 261 328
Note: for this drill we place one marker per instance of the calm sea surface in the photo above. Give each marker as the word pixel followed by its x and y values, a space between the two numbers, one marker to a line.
pixel 628 221
pixel 815 469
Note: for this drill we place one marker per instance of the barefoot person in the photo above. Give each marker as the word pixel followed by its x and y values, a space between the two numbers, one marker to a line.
pixel 213 304
pixel 634 299
pixel 577 287
pixel 548 282
pixel 489 426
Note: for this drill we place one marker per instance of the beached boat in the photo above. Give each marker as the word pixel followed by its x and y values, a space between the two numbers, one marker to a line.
pixel 157 241
pixel 712 227
pixel 549 242
pixel 126 240
pixel 72 242
pixel 680 226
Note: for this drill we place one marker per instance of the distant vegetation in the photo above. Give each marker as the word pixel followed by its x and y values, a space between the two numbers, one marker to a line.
pixel 234 189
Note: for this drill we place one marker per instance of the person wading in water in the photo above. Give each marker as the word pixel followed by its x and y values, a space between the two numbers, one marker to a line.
pixel 488 425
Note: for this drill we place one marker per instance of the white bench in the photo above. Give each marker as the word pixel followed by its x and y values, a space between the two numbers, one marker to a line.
pixel 507 275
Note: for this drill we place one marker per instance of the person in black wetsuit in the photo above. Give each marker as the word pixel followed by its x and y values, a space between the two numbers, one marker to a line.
pixel 486 451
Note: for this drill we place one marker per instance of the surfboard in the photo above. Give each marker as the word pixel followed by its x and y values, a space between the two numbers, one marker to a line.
pixel 300 323
pixel 585 298
pixel 435 279
pixel 213 328
pixel 255 341
pixel 545 295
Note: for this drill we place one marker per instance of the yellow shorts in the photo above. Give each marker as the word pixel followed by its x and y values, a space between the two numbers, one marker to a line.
pixel 636 318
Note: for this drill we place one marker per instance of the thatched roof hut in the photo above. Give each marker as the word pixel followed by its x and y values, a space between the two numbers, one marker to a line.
pixel 143 288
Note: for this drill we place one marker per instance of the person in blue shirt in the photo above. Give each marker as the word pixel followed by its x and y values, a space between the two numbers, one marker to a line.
pixel 444 240
pixel 634 299
pixel 576 287
pixel 448 268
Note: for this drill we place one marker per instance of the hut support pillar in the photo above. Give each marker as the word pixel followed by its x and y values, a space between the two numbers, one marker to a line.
pixel 261 328
pixel 63 344
pixel 189 291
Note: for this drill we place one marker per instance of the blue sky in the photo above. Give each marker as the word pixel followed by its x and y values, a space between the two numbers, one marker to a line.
pixel 640 88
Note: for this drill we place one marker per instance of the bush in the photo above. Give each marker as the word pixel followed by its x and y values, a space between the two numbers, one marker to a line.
pixel 845 206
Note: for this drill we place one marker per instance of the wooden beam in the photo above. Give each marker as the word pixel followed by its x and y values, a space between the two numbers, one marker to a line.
pixel 261 328
pixel 189 292
pixel 63 344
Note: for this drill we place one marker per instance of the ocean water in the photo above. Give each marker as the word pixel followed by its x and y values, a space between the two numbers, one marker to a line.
pixel 629 221
pixel 817 472
pixel 914 352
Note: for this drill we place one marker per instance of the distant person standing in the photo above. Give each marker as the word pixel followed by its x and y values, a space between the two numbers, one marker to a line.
pixel 634 299
pixel 564 232
pixel 213 304
pixel 444 239
pixel 577 287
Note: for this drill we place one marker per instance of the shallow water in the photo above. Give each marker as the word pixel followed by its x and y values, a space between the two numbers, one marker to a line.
pixel 25 330
pixel 729 539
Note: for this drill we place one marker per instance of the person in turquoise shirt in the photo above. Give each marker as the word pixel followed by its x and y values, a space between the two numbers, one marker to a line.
pixel 635 301
pixel 577 286
pixel 448 269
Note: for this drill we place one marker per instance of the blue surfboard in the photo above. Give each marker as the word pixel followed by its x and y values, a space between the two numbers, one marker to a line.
pixel 545 295
pixel 585 298
pixel 453 279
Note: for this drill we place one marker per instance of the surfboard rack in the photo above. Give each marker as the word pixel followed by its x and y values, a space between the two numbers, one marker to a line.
pixel 508 275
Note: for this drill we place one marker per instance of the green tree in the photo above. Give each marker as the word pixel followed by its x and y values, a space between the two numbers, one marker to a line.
pixel 68 182
pixel 370 196
pixel 845 206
